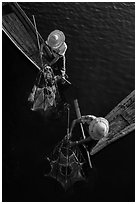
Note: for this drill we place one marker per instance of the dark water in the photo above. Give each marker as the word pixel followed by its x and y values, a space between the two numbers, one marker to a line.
pixel 101 63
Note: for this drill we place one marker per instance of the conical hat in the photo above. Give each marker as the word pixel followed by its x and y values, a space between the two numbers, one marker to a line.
pixel 55 39
pixel 98 128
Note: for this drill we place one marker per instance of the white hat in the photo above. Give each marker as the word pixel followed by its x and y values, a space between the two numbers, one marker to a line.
pixel 55 39
pixel 98 128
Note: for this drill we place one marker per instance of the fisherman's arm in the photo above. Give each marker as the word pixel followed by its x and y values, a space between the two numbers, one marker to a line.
pixel 64 61
pixel 62 54
pixel 83 119
pixel 87 118
pixel 83 141
pixel 63 70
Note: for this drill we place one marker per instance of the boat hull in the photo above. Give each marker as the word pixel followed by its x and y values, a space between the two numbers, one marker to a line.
pixel 21 31
pixel 121 120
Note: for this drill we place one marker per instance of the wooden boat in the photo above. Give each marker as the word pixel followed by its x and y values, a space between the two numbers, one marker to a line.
pixel 18 27
pixel 121 120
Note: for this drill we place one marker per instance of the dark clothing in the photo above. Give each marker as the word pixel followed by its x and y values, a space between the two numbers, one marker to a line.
pixel 58 66
pixel 48 57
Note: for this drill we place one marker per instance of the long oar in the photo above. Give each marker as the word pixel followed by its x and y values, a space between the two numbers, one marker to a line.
pixel 37 34
pixel 79 116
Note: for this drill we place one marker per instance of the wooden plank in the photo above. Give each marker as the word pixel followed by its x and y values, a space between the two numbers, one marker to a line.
pixel 121 120
pixel 18 27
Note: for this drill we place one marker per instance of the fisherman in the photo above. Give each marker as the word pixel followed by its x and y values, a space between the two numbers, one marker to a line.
pixel 98 128
pixel 56 48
